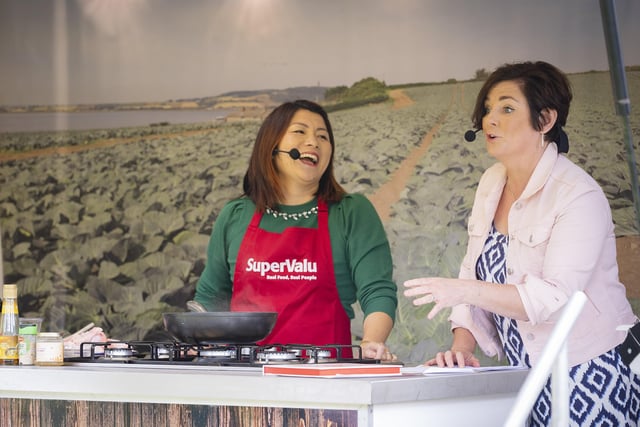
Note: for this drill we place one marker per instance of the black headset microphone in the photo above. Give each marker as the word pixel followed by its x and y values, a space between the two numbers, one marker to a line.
pixel 470 135
pixel 293 153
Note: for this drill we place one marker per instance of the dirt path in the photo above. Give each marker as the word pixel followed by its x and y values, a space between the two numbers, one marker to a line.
pixel 629 264
pixel 389 193
pixel 400 99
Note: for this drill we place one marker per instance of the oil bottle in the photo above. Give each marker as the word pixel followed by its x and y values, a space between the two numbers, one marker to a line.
pixel 9 326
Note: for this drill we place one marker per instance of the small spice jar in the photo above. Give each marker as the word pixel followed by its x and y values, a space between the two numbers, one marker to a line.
pixel 49 349
pixel 27 343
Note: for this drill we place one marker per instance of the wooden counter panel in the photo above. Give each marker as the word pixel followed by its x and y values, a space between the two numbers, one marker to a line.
pixel 44 412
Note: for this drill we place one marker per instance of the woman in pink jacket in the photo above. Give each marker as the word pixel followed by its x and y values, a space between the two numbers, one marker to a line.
pixel 540 229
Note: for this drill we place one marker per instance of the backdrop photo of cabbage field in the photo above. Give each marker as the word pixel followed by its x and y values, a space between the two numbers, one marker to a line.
pixel 111 226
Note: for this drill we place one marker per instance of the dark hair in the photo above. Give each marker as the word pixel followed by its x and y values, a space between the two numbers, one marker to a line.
pixel 261 182
pixel 544 86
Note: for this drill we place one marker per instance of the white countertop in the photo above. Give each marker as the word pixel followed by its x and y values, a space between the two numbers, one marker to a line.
pixel 242 386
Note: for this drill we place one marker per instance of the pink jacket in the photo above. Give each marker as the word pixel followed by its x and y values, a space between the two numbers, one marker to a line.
pixel 561 240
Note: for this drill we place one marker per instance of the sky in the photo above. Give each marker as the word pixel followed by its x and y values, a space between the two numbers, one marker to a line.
pixel 111 51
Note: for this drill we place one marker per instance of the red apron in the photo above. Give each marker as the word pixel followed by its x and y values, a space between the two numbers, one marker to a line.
pixel 292 274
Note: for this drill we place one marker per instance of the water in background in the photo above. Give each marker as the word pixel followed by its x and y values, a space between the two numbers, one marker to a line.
pixel 35 122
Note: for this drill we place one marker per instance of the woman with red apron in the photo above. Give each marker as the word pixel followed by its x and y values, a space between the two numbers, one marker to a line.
pixel 308 266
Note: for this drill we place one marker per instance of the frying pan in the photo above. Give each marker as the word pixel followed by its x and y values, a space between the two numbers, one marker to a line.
pixel 231 327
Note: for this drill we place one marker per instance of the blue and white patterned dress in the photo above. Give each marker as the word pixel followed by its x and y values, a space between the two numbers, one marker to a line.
pixel 603 391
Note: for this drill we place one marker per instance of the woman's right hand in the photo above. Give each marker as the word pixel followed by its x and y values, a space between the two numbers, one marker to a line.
pixel 452 358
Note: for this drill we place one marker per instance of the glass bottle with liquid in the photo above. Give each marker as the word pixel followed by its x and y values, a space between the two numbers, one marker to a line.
pixel 9 326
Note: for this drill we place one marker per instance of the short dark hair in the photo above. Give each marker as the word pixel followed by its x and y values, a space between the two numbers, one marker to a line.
pixel 543 85
pixel 260 182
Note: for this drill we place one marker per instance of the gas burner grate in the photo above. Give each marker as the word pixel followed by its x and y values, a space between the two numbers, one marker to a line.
pixel 216 354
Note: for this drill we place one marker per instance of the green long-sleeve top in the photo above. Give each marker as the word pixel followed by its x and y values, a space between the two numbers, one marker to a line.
pixel 361 255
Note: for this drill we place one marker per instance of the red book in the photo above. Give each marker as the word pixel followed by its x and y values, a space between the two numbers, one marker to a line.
pixel 329 370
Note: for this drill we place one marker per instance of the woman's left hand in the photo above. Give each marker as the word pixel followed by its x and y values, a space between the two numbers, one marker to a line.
pixel 376 350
